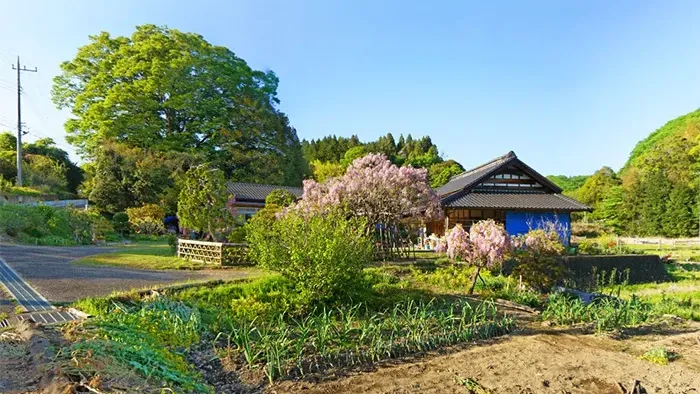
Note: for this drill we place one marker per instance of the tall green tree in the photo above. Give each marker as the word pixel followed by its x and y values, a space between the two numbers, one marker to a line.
pixel 8 141
pixel 612 210
pixel 122 177
pixel 680 218
pixel 440 173
pixel 596 187
pixel 203 203
pixel 47 147
pixel 163 90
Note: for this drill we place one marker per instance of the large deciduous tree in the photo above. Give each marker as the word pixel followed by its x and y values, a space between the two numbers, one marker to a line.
pixel 166 90
pixel 440 173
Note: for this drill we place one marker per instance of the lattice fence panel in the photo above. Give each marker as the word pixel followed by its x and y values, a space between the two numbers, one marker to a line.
pixel 200 251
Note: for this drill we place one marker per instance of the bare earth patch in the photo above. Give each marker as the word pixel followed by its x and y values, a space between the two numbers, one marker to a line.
pixel 548 361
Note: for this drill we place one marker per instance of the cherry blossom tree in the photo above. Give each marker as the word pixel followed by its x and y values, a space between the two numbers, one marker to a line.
pixel 486 245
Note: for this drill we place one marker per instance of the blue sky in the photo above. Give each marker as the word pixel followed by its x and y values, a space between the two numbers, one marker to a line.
pixel 568 85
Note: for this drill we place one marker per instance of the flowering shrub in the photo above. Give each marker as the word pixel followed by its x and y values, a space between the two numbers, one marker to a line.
pixel 536 254
pixel 375 189
pixel 485 246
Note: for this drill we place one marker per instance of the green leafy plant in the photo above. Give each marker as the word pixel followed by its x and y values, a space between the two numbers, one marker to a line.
pixel 659 355
pixel 147 219
pixel 120 222
pixel 204 202
pixel 536 255
pixel 322 255
pixel 280 198
pixel 605 313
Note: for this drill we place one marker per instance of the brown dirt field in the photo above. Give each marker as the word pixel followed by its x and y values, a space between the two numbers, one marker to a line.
pixel 536 360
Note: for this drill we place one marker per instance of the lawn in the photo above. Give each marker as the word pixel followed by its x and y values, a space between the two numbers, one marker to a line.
pixel 151 255
pixel 678 253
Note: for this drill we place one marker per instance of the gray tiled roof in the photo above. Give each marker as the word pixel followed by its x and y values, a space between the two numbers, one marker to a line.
pixel 506 200
pixel 472 177
pixel 256 191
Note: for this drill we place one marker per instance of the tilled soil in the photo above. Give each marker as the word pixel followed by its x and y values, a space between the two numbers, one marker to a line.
pixel 534 361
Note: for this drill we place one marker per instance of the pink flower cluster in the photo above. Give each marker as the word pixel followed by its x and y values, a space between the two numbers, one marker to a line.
pixel 375 188
pixel 486 245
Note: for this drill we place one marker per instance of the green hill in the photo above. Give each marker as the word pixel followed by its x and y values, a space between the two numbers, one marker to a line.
pixel 683 127
pixel 568 183
pixel 660 183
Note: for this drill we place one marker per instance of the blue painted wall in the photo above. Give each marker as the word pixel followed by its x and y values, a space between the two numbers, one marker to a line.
pixel 520 222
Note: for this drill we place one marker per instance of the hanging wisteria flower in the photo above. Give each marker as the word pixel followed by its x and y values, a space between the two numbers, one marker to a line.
pixel 376 189
pixel 486 245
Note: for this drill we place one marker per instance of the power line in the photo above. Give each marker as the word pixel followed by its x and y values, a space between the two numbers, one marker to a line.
pixel 20 69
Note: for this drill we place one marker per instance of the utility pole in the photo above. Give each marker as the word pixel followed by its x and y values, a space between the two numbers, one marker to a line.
pixel 19 118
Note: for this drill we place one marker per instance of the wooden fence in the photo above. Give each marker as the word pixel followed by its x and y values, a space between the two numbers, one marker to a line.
pixel 219 253
pixel 659 241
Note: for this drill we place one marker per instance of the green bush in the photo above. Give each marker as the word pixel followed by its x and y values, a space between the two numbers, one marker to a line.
pixel 147 219
pixel 44 225
pixel 536 259
pixel 120 221
pixel 659 355
pixel 321 255
pixel 280 198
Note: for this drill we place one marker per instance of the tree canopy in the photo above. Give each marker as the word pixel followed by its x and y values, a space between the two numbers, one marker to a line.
pixel 330 156
pixel 656 192
pixel 165 90
pixel 162 91
pixel 46 167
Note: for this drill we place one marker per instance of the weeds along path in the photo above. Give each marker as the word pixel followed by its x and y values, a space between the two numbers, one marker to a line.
pixel 532 361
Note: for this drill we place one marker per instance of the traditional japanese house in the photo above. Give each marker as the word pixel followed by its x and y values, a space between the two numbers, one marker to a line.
pixel 510 192
pixel 250 197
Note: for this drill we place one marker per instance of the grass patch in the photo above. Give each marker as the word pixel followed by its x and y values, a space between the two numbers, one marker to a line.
pixel 681 297
pixel 659 355
pixel 677 252
pixel 154 256
pixel 456 279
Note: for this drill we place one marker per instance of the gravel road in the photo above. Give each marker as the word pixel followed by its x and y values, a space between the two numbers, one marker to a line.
pixel 49 270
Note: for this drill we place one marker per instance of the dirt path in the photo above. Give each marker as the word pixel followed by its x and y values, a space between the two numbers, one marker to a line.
pixel 49 270
pixel 551 361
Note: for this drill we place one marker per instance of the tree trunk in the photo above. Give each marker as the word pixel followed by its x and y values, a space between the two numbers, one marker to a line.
pixel 474 278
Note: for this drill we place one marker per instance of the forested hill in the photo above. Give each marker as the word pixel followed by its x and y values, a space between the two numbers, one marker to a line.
pixel 329 156
pixel 656 192
pixel 568 183
pixel 680 134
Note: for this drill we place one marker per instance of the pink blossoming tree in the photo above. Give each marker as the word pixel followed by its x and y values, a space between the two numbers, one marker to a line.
pixel 486 245
pixel 374 188
pixel 385 195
